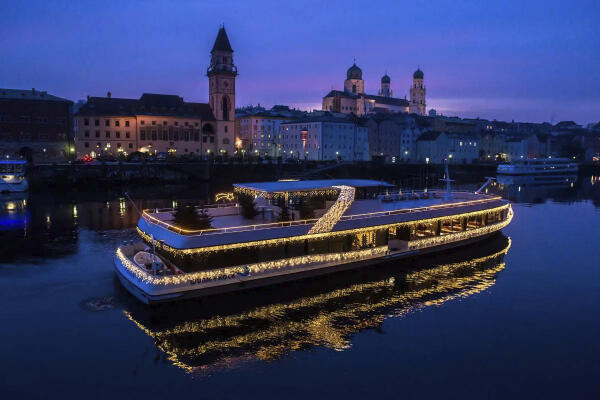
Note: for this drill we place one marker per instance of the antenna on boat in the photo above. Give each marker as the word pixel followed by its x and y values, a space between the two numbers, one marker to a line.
pixel 448 195
pixel 153 247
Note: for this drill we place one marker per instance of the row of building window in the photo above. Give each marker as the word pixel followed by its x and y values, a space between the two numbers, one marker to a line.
pixel 99 145
pixel 107 134
pixel 176 123
pixel 176 136
pixel 308 145
pixel 325 126
pixel 117 123
pixel 129 145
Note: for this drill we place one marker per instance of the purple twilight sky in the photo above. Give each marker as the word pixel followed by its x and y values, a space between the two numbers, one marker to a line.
pixel 513 59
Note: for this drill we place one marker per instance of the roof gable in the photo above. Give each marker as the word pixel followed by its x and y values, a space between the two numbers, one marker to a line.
pixel 18 94
pixel 148 104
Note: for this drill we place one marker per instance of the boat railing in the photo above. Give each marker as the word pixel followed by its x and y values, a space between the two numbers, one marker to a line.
pixel 243 228
pixel 171 209
pixel 425 208
pixel 230 229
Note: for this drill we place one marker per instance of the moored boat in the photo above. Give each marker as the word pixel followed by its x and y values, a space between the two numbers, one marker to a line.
pixel 12 176
pixel 539 166
pixel 284 231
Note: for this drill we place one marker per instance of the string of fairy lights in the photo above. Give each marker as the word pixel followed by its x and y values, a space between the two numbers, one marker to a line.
pixel 299 238
pixel 458 236
pixel 212 277
pixel 335 212
pixel 299 193
pixel 254 269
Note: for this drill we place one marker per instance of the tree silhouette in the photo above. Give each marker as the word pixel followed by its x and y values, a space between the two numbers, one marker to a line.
pixel 247 206
pixel 187 217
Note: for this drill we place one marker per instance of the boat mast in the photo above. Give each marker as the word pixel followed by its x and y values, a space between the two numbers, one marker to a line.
pixel 448 195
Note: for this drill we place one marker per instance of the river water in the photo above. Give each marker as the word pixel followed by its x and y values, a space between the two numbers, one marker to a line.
pixel 516 316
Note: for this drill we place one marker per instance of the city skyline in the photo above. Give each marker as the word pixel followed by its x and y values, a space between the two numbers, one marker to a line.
pixel 524 62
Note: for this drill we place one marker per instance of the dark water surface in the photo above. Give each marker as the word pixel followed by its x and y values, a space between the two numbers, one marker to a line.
pixel 517 316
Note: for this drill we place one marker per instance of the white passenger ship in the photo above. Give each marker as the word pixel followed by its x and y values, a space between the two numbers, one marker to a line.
pixel 539 166
pixel 12 176
pixel 354 223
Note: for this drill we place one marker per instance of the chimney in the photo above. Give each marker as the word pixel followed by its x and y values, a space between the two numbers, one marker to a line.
pixel 108 95
pixel 33 90
pixel 88 98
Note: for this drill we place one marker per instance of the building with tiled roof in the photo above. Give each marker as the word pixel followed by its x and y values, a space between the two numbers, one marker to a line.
pixel 157 123
pixel 257 129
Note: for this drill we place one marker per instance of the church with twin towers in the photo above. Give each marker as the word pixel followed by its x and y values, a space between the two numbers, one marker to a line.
pixel 354 100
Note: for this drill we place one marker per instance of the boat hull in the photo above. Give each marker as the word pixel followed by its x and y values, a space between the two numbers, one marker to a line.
pixel 149 294
pixel 21 186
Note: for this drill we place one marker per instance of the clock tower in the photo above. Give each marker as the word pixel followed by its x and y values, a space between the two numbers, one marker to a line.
pixel 221 91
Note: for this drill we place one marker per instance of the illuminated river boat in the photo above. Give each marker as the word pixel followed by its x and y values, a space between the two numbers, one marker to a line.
pixel 12 176
pixel 539 166
pixel 354 223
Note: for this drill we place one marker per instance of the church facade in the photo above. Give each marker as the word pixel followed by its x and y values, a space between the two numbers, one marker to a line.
pixel 354 100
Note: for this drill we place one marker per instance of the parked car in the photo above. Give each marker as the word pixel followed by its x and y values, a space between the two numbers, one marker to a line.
pixel 162 156
pixel 136 156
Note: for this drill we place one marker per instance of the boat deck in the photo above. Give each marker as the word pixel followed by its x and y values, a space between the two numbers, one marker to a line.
pixel 231 227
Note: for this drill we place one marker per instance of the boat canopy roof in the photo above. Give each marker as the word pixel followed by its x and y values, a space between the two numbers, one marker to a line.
pixel 300 186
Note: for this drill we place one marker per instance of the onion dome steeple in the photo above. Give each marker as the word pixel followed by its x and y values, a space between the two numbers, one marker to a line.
pixel 418 74
pixel 354 72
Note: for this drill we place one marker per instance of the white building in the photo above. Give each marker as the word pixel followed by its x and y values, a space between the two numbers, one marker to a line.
pixel 458 148
pixel 325 137
pixel 259 132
